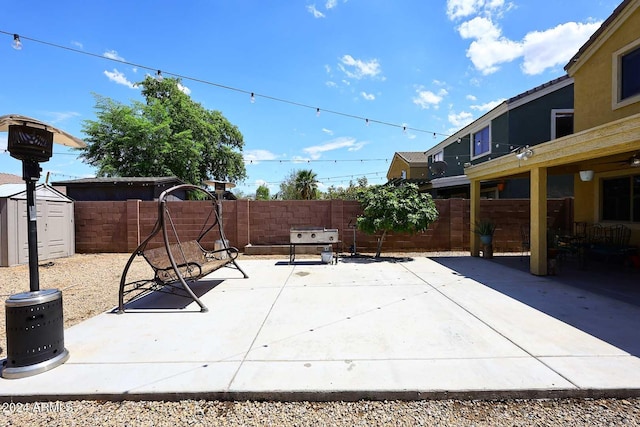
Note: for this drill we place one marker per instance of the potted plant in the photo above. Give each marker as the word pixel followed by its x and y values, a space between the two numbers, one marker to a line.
pixel 485 228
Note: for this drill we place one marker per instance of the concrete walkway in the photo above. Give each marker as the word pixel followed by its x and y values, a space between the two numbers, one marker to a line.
pixel 457 327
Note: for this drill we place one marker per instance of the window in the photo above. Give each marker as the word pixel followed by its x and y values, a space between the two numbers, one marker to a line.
pixel 481 142
pixel 630 74
pixel 438 157
pixel 626 72
pixel 621 199
pixel 561 123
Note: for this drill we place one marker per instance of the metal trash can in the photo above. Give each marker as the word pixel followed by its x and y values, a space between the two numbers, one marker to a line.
pixel 35 333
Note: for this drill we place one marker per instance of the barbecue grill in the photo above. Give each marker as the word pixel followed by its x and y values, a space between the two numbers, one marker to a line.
pixel 320 236
pixel 312 235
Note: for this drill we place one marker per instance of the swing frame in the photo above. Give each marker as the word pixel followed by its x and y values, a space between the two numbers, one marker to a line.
pixel 178 264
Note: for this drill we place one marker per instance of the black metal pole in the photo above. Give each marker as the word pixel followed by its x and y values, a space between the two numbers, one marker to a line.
pixel 31 174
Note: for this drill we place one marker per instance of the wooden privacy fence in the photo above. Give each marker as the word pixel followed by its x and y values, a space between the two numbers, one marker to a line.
pixel 120 226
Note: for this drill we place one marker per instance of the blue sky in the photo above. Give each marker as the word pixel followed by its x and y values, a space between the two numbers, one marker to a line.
pixel 432 66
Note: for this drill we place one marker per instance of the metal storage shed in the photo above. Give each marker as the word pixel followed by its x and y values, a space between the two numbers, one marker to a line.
pixel 56 231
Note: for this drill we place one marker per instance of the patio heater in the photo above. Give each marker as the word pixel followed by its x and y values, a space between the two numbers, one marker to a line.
pixel 34 319
pixel 220 187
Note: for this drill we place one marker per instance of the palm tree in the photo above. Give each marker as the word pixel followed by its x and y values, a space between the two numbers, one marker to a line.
pixel 306 184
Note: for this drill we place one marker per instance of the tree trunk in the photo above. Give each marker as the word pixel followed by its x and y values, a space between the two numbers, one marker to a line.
pixel 380 240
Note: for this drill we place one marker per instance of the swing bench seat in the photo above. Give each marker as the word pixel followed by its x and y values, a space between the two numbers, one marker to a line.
pixel 193 261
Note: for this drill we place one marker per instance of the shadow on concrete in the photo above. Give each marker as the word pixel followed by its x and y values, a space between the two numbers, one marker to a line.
pixel 602 303
pixel 365 259
pixel 170 298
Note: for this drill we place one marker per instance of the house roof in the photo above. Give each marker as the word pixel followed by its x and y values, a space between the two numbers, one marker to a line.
pixel 599 32
pixel 538 88
pixel 115 180
pixel 413 157
pixel 7 178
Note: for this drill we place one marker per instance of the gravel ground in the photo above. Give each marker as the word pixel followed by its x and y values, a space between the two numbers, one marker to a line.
pixel 90 286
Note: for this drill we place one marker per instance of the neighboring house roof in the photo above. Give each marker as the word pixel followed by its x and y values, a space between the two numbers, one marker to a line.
pixel 577 59
pixel 7 178
pixel 415 158
pixel 538 89
pixel 119 180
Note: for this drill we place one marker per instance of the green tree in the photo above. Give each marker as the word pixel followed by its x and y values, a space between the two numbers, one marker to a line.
pixel 306 184
pixel 400 209
pixel 349 193
pixel 262 193
pixel 168 134
pixel 288 187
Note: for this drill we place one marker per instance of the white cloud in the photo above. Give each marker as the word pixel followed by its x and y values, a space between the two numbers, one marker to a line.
pixel 255 156
pixel 426 99
pixel 330 4
pixel 315 12
pixel 461 119
pixel 112 54
pixel 119 78
pixel 472 98
pixel 490 48
pixel 463 8
pixel 487 106
pixel 61 116
pixel 77 44
pixel 339 143
pixel 300 159
pixel 479 28
pixel 184 89
pixel 331 84
pixel 566 39
pixel 327 131
pixel 358 69
pixel 368 96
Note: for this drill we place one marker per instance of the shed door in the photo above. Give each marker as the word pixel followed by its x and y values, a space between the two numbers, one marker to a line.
pixel 53 231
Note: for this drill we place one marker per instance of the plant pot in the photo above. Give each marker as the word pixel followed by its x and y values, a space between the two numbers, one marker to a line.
pixel 486 239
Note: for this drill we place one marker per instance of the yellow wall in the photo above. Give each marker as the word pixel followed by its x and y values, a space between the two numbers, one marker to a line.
pixel 396 168
pixel 415 172
pixel 593 80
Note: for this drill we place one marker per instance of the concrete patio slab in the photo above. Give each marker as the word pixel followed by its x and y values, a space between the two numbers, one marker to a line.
pixel 416 328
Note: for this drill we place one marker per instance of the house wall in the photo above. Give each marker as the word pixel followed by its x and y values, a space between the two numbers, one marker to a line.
pixel 396 168
pixel 530 123
pixel 593 80
pixel 120 226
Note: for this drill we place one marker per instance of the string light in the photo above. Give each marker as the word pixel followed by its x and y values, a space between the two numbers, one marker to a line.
pixel 253 98
pixel 16 44
pixel 221 86
pixel 159 76
pixel 317 112
pixel 315 160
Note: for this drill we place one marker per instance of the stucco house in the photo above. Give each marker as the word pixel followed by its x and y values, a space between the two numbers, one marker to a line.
pixel 409 166
pixel 606 140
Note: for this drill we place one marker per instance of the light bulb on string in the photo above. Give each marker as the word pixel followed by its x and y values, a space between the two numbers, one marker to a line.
pixel 253 98
pixel 16 44
pixel 317 112
pixel 159 76
pixel 366 121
